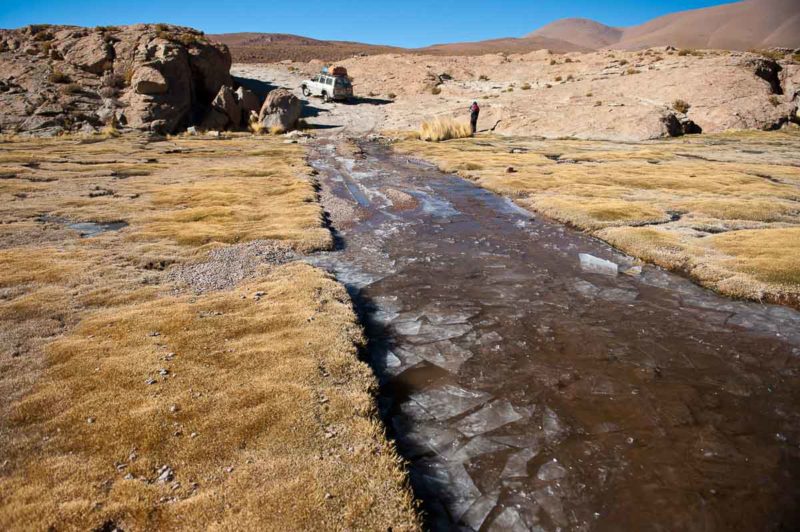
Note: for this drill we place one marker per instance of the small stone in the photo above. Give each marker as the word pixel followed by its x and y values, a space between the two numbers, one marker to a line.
pixel 150 381
pixel 173 408
pixel 165 474
pixel 511 170
pixel 328 496
pixel 163 371
pixel 193 435
pixel 153 334
pixel 90 420
pixel 229 469
pixel 129 476
pixel 259 294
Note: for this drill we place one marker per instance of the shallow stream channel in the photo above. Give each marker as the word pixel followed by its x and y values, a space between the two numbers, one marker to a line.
pixel 532 388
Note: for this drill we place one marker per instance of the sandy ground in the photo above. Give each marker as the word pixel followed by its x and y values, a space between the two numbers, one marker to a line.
pixel 622 96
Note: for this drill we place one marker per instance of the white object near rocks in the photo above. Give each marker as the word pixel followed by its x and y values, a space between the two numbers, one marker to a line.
pixel 593 264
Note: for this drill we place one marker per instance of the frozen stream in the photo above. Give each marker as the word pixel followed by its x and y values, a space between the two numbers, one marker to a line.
pixel 530 391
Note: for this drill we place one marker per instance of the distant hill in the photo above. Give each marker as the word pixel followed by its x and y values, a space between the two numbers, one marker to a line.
pixel 737 26
pixel 580 31
pixel 274 47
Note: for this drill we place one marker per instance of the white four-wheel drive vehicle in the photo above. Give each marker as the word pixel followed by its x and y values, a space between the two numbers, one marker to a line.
pixel 334 86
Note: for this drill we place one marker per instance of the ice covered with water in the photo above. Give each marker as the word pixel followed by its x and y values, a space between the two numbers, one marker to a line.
pixel 551 470
pixel 476 515
pixel 445 355
pixel 593 264
pixel 453 481
pixel 517 464
pixel 509 520
pixel 474 447
pixel 419 438
pixel 488 418
pixel 449 401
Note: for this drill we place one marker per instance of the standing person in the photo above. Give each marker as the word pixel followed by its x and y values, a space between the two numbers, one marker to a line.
pixel 473 121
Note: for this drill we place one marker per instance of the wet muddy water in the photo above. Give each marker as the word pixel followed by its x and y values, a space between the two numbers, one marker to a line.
pixel 532 388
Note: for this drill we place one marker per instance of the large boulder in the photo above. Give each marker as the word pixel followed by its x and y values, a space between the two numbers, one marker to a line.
pixel 281 110
pixel 249 102
pixel 154 77
pixel 148 80
pixel 227 103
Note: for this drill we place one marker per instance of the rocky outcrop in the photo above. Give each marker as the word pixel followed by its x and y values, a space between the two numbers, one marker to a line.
pixel 154 77
pixel 281 110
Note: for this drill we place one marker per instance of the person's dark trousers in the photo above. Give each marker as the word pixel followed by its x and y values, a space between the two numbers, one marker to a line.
pixel 474 122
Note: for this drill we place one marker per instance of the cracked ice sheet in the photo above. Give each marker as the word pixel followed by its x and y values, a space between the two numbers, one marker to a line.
pixel 451 484
pixel 444 354
pixel 517 464
pixel 509 520
pixel 449 401
pixel 479 511
pixel 429 332
pixel 423 438
pixel 488 418
pixel 475 447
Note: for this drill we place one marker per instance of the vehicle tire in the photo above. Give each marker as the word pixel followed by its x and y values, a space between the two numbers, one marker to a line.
pixel 306 92
pixel 325 97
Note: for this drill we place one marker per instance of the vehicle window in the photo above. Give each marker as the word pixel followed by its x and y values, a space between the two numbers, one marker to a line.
pixel 329 81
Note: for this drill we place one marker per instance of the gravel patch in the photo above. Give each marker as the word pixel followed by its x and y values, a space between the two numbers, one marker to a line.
pixel 227 266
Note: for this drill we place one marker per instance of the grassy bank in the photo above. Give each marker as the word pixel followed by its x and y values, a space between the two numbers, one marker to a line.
pixel 723 208
pixel 178 370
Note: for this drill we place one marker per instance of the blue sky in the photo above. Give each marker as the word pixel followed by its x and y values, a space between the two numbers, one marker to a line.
pixel 409 23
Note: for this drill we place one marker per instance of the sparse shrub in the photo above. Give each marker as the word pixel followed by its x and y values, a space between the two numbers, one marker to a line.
pixel 547 86
pixel 188 39
pixel 631 71
pixel 72 88
pixel 277 130
pixel 553 62
pixel 598 103
pixel 57 76
pixel 568 60
pixel 526 86
pixel 43 36
pixel 589 94
pixel 106 29
pixel 681 106
pixel 623 62
pixel 683 52
pixel 558 78
pixel 796 58
pixel 774 100
pixel 255 124
pixel 440 129
pixel 110 130
pixel 436 90
pixel 775 55
pixel 483 77
pixel 570 78
pixel 128 76
pixel 391 96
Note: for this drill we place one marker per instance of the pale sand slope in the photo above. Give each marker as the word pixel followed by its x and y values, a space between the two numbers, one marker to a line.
pixel 624 96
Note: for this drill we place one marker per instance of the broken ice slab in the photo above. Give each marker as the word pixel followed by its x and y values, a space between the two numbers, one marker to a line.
pixel 509 521
pixel 488 418
pixel 430 332
pixel 593 264
pixel 444 354
pixel 449 401
pixel 479 511
pixel 416 439
pixel 517 464
pixel 551 470
pixel 450 483
pixel 475 447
